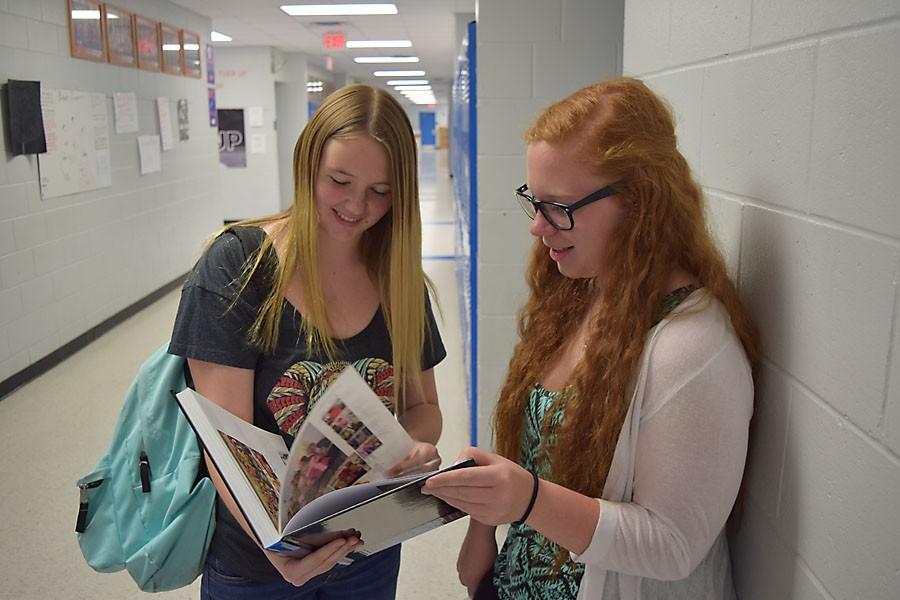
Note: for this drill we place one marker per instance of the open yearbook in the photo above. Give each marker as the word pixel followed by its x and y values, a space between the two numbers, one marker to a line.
pixel 331 483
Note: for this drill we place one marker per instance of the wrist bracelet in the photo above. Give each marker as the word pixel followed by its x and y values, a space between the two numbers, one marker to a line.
pixel 534 493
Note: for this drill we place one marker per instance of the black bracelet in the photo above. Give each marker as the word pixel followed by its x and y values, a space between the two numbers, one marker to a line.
pixel 534 493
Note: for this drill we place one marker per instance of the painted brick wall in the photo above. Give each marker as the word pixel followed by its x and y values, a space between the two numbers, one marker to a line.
pixel 68 263
pixel 789 113
pixel 530 54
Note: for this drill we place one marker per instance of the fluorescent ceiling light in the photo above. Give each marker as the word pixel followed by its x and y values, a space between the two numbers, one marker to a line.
pixel 399 73
pixel 171 47
pixel 331 10
pixel 192 46
pixel 386 59
pixel 86 14
pixel 215 36
pixel 408 82
pixel 412 88
pixel 379 44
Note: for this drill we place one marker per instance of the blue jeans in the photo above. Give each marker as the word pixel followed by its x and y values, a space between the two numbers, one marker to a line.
pixel 373 578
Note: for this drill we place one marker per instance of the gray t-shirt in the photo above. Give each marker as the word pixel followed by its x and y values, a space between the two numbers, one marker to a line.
pixel 288 380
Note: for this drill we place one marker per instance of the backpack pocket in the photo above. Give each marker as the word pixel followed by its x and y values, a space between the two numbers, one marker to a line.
pixel 98 530
pixel 178 509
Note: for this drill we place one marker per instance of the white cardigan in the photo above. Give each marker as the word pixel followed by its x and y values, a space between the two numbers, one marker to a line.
pixel 677 466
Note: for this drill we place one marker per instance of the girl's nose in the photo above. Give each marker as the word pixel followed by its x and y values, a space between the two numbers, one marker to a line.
pixel 355 201
pixel 540 227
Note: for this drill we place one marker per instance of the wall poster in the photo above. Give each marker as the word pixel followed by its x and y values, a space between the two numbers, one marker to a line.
pixel 125 110
pixel 213 114
pixel 184 127
pixel 147 34
pixel 148 150
pixel 165 123
pixel 78 155
pixel 232 146
pixel 210 66
pixel 190 53
pixel 86 30
pixel 120 37
pixel 170 38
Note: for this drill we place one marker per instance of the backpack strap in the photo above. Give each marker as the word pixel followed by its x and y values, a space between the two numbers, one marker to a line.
pixel 251 239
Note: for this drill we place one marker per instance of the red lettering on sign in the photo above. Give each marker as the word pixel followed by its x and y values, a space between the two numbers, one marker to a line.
pixel 335 41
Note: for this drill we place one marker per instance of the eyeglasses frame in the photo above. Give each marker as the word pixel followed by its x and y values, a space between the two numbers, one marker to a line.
pixel 600 194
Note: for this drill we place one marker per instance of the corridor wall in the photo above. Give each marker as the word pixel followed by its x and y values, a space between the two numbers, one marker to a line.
pixel 245 81
pixel 789 114
pixel 71 262
pixel 530 54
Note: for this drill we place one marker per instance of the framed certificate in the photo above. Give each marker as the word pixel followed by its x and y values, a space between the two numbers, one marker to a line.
pixel 171 49
pixel 190 48
pixel 86 30
pixel 120 39
pixel 147 32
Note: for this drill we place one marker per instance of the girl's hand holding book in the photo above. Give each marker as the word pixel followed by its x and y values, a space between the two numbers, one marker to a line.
pixel 298 571
pixel 496 491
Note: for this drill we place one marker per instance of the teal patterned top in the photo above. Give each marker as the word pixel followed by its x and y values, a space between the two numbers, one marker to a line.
pixel 524 566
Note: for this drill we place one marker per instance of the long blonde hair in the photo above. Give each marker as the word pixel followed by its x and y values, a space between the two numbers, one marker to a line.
pixel 392 248
pixel 623 129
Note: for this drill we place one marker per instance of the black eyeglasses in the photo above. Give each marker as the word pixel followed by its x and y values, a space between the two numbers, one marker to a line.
pixel 556 213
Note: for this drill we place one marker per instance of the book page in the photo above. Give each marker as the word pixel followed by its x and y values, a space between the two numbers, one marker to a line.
pixel 250 460
pixel 349 436
pixel 316 466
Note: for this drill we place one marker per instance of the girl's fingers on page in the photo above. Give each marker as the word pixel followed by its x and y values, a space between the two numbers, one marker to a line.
pixel 422 454
pixel 467 496
pixel 465 501
pixel 480 477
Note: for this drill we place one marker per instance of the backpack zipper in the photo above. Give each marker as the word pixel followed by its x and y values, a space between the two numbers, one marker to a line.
pixel 81 522
pixel 144 463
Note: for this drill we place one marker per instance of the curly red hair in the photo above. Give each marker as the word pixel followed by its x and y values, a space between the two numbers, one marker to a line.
pixel 619 127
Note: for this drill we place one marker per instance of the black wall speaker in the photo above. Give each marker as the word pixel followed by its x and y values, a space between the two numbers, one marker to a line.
pixel 25 123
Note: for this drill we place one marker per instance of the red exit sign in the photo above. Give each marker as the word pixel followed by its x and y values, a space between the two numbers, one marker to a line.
pixel 334 41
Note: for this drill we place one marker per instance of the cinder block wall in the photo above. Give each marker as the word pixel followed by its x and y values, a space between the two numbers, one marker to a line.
pixel 68 263
pixel 530 54
pixel 789 113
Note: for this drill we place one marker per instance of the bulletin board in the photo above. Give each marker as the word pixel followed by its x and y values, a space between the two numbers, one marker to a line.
pixel 77 131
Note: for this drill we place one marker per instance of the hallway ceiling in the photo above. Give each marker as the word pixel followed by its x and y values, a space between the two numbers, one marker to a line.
pixel 429 24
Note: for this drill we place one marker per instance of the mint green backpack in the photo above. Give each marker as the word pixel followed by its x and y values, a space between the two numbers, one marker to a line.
pixel 146 507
